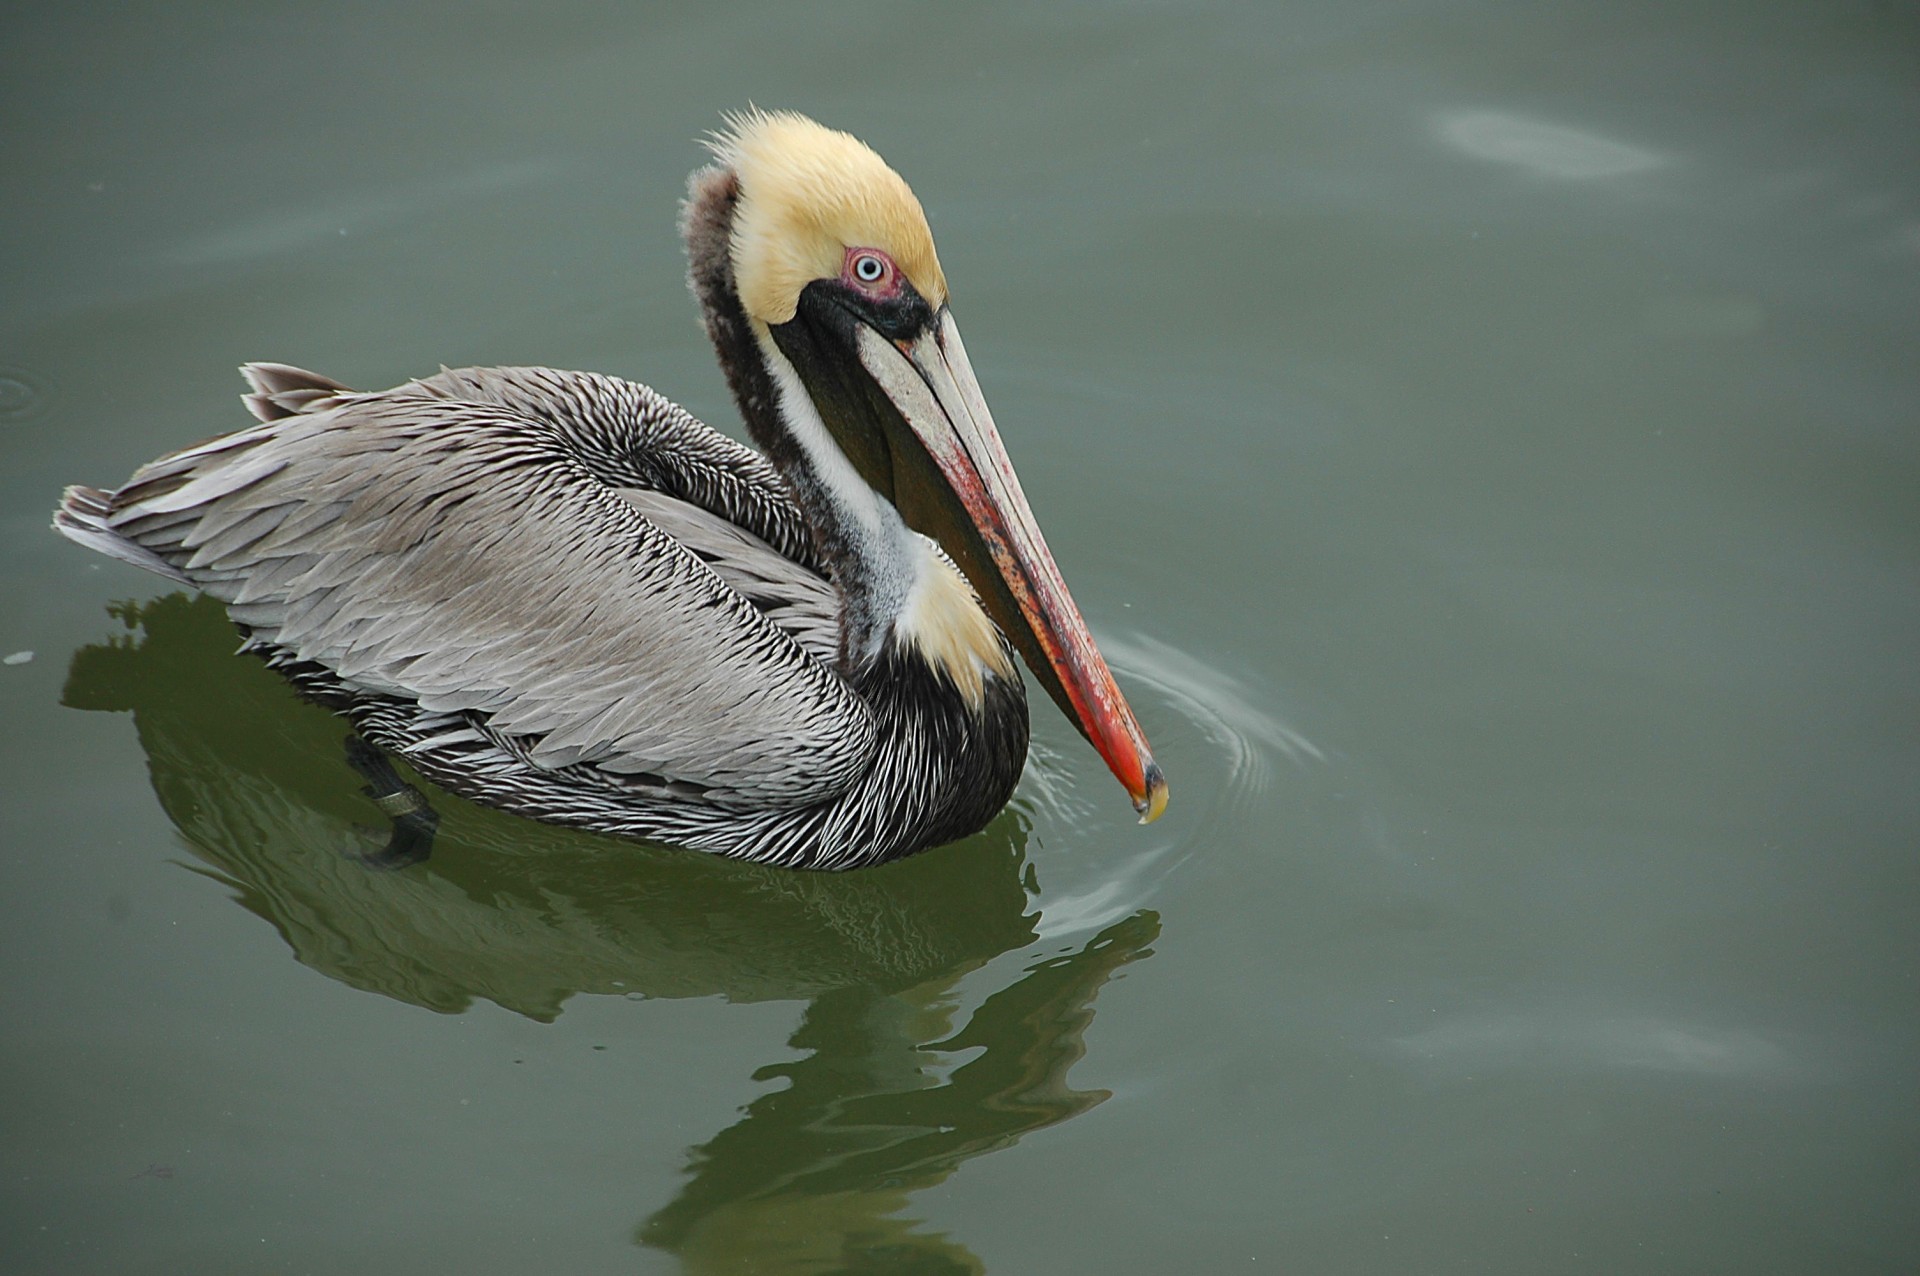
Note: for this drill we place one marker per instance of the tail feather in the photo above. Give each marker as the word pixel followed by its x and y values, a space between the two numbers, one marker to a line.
pixel 82 518
pixel 161 504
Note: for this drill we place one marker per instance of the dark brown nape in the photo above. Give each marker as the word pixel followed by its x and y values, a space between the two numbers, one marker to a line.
pixel 706 226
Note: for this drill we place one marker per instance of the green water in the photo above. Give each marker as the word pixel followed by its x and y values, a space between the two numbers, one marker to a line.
pixel 1483 437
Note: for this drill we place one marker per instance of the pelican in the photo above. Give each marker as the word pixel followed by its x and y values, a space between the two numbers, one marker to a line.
pixel 559 594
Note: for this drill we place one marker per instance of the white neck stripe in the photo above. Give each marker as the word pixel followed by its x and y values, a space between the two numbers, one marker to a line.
pixel 892 557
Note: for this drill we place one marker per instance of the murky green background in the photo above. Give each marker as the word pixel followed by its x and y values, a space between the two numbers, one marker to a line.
pixel 1483 435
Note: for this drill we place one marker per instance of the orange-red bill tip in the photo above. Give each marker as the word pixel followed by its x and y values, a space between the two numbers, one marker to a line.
pixel 1152 801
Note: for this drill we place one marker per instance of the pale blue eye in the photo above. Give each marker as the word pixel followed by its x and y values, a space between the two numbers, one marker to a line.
pixel 868 270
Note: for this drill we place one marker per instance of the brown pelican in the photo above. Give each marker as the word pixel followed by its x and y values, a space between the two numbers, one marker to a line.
pixel 559 594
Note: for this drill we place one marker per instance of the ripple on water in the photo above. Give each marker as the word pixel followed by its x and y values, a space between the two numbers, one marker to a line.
pixel 1222 750
pixel 1546 150
pixel 21 394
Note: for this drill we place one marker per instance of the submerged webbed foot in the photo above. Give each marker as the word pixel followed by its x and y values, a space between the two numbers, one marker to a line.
pixel 414 821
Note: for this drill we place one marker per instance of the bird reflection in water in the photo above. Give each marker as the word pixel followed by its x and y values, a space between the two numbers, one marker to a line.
pixel 814 1176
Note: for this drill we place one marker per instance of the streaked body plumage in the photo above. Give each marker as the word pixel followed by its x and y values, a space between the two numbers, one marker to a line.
pixel 560 594
pixel 532 678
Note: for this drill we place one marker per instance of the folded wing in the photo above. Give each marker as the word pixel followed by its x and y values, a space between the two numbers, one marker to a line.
pixel 473 557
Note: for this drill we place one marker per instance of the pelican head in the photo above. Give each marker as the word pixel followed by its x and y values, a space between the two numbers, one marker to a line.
pixel 817 270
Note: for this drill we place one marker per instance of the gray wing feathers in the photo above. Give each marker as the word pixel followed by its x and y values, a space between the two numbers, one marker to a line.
pixel 629 436
pixel 799 603
pixel 624 433
pixel 464 556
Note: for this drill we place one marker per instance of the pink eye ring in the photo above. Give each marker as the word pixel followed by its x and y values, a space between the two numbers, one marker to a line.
pixel 871 269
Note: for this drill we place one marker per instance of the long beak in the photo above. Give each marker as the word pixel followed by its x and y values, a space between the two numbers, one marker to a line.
pixel 993 535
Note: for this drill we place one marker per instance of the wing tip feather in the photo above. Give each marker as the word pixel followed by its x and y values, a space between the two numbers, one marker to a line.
pixel 280 390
